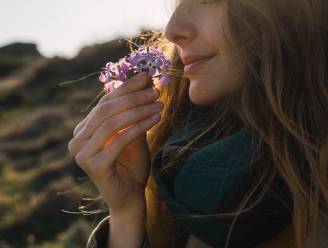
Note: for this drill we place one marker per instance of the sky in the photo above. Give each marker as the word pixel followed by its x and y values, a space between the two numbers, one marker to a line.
pixel 62 27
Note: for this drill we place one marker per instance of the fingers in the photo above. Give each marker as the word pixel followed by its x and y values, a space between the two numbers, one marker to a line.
pixel 111 126
pixel 131 85
pixel 135 83
pixel 101 110
pixel 111 151
pixel 82 123
pixel 116 106
pixel 74 146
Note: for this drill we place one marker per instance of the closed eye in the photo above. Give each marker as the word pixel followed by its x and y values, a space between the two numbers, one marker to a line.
pixel 209 1
pixel 202 1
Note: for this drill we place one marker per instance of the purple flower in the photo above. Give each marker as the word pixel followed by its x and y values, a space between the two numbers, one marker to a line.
pixel 150 65
pixel 105 77
pixel 145 58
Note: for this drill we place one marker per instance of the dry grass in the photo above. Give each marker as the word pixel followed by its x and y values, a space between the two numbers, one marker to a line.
pixel 38 177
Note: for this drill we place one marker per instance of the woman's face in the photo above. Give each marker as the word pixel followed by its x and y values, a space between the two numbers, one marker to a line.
pixel 196 28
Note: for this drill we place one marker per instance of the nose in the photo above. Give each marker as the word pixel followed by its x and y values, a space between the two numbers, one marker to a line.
pixel 180 29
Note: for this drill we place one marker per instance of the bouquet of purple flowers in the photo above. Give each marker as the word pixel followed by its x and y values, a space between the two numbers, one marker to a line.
pixel 145 58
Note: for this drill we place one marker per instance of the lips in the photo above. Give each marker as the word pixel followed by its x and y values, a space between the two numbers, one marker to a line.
pixel 189 59
pixel 193 63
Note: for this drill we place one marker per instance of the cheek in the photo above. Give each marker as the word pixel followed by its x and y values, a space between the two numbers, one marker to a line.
pixel 216 82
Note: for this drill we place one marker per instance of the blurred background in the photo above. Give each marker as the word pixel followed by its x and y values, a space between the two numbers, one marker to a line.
pixel 46 200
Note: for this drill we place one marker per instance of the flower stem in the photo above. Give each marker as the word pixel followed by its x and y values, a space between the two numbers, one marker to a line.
pixel 77 80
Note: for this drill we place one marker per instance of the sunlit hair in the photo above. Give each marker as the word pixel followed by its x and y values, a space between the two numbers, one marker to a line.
pixel 283 100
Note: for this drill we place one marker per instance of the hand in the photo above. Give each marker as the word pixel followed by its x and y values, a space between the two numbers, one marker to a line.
pixel 110 144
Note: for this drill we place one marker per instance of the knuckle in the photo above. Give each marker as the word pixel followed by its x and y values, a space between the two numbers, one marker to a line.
pixel 71 145
pixel 77 129
pixel 81 159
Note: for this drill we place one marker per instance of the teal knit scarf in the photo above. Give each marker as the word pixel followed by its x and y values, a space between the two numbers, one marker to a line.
pixel 204 182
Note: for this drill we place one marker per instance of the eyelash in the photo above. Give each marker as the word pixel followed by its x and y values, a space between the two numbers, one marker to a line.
pixel 205 1
pixel 209 1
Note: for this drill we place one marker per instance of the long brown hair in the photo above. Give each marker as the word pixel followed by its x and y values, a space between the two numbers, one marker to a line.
pixel 283 100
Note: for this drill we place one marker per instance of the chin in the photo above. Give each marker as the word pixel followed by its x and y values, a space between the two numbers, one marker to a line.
pixel 200 99
pixel 199 95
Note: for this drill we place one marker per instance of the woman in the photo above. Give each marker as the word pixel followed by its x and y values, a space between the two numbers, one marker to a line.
pixel 241 146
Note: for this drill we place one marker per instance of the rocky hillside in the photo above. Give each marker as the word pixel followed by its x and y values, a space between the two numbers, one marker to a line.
pixel 43 193
pixel 16 55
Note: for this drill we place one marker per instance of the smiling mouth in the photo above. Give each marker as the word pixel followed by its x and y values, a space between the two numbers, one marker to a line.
pixel 192 67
